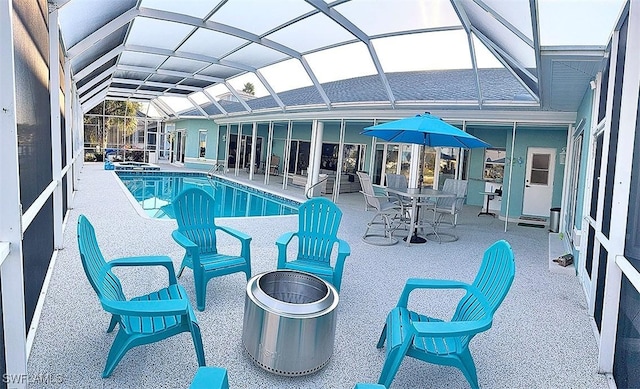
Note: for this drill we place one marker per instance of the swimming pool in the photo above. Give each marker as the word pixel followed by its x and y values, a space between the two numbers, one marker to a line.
pixel 154 191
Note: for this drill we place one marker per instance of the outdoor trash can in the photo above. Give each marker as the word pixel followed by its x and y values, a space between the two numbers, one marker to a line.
pixel 554 220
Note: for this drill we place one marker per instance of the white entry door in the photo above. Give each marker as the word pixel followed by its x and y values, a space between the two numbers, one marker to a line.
pixel 538 186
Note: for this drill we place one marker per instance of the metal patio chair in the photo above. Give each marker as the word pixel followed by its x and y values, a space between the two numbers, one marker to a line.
pixel 446 207
pixel 390 214
pixel 399 181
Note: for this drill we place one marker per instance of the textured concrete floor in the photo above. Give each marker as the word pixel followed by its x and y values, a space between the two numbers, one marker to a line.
pixel 541 337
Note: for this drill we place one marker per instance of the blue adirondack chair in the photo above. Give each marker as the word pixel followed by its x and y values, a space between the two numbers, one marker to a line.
pixel 318 222
pixel 447 342
pixel 194 212
pixel 144 319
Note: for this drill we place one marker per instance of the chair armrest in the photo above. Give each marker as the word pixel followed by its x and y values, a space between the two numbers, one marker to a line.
pixel 182 240
pixel 235 233
pixel 379 190
pixel 450 329
pixel 344 250
pixel 447 328
pixel 385 198
pixel 164 261
pixel 285 238
pixel 282 242
pixel 424 283
pixel 245 241
pixel 147 308
pixel 146 260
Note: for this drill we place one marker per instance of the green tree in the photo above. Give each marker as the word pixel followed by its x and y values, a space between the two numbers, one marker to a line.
pixel 249 88
pixel 113 111
pixel 111 117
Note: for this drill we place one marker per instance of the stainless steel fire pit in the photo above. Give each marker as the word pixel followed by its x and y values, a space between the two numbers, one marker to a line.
pixel 289 322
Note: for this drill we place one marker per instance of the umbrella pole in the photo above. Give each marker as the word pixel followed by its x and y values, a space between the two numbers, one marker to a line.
pixel 414 238
pixel 513 142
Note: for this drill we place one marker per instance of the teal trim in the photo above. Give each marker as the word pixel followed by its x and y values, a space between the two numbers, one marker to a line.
pixel 584 112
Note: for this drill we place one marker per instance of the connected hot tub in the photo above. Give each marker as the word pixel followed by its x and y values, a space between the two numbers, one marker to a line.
pixel 289 322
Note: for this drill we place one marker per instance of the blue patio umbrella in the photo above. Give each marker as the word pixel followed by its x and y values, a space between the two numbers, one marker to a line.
pixel 426 130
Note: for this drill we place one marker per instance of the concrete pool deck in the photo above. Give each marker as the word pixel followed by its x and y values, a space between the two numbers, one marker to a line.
pixel 541 336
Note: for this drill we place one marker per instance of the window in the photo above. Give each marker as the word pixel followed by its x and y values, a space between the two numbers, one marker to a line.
pixel 540 164
pixel 448 164
pixel 353 157
pixel 202 142
pixel 329 158
pixel 151 141
pixel 494 164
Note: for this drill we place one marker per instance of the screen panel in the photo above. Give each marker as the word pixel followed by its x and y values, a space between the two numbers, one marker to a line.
pixel 33 114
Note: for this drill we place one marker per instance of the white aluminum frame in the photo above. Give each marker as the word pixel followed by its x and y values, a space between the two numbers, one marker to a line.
pixel 11 270
pixel 56 130
pixel 622 183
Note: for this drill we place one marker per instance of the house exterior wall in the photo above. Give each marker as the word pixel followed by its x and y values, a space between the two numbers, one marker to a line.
pixel 192 128
pixel 535 137
pixel 585 112
pixel 496 136
pixel 501 136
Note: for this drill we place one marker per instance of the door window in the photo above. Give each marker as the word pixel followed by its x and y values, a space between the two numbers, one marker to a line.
pixel 540 169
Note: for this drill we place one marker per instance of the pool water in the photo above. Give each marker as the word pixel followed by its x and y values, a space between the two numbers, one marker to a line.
pixel 154 191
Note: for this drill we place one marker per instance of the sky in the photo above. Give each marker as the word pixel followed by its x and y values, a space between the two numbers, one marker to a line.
pixel 562 22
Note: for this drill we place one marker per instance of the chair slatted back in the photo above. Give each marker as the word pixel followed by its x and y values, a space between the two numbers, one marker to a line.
pixel 318 222
pixel 104 283
pixel 459 187
pixel 194 211
pixel 367 189
pixel 493 280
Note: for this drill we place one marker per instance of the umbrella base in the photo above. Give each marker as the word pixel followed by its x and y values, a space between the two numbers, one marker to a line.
pixel 442 237
pixel 415 239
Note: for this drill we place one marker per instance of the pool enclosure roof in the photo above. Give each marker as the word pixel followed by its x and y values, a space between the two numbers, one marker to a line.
pixel 193 58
